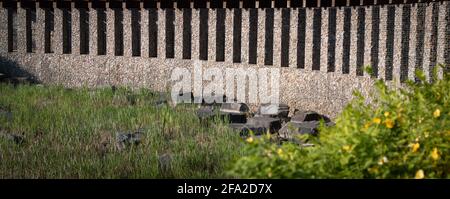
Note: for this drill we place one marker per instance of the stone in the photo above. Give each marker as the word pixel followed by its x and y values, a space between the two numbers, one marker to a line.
pixel 272 124
pixel 256 130
pixel 211 100
pixel 234 112
pixel 124 140
pixel 307 116
pixel 234 117
pixel 274 110
pixel 244 129
pixel 234 108
pixel 257 125
pixel 291 129
pixel 17 139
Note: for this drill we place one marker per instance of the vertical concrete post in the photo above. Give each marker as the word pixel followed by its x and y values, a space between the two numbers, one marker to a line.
pixel 353 41
pixel 40 29
pixel 412 43
pixel 339 40
pixel 75 29
pixel 309 38
pixel 442 42
pixel 293 39
pixel 397 43
pixel 195 49
pixel 261 36
pixel 178 43
pixel 229 35
pixel 144 31
pixel 161 33
pixel 368 37
pixel 212 15
pixel 57 37
pixel 427 41
pixel 127 32
pixel 277 37
pixel 324 41
pixel 93 35
pixel 110 44
pixel 382 42
pixel 3 30
pixel 245 36
pixel 21 29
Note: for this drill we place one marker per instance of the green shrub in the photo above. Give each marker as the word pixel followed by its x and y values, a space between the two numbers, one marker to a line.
pixel 401 133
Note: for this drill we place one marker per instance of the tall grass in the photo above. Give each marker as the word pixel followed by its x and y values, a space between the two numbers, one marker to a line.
pixel 70 133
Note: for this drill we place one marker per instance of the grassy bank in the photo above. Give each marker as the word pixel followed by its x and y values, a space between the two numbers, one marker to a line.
pixel 72 134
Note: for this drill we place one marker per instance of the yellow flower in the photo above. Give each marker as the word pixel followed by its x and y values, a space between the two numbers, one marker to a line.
pixel 376 120
pixel 280 152
pixel 389 123
pixel 415 147
pixel 386 114
pixel 437 113
pixel 366 126
pixel 249 139
pixel 346 148
pixel 419 174
pixel 435 154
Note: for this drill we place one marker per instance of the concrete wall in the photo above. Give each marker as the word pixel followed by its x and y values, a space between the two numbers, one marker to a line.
pixel 320 51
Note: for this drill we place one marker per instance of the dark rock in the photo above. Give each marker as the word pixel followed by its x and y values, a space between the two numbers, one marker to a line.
pixel 256 130
pixel 245 129
pixel 257 125
pixel 291 129
pixel 234 108
pixel 234 112
pixel 274 110
pixel 269 123
pixel 17 139
pixel 234 117
pixel 211 100
pixel 306 116
pixel 124 140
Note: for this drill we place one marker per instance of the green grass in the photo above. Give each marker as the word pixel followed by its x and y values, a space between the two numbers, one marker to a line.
pixel 71 134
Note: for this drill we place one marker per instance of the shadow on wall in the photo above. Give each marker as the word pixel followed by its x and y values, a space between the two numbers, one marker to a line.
pixel 11 72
